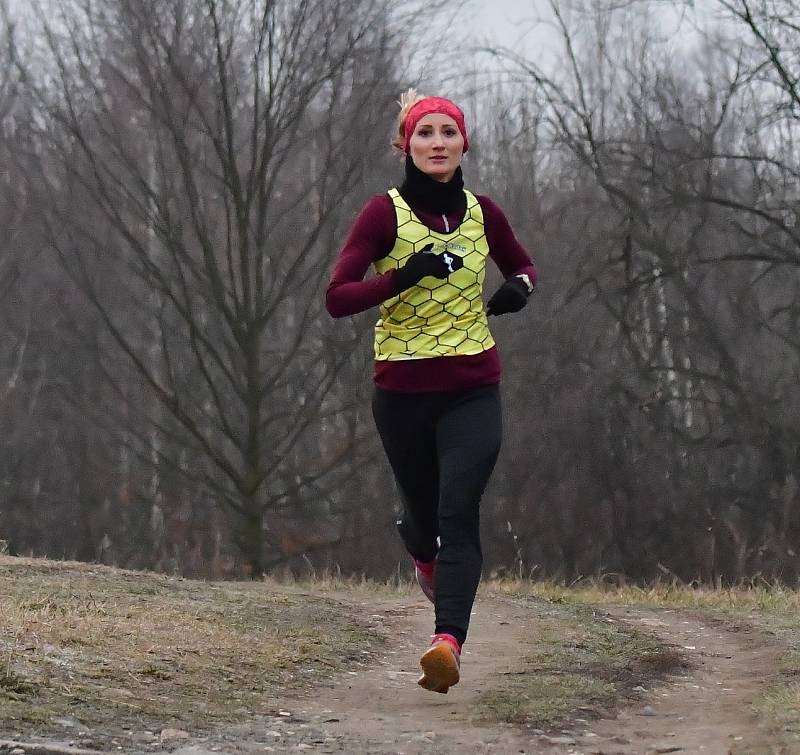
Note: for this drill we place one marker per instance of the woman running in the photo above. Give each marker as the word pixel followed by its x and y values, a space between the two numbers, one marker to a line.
pixel 436 401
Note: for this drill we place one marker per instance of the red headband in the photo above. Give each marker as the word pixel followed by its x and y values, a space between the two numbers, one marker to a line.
pixel 434 105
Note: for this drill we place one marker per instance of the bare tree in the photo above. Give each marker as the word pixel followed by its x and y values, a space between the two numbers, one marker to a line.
pixel 200 159
pixel 673 216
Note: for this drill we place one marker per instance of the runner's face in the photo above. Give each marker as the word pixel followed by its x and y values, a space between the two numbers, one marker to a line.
pixel 436 146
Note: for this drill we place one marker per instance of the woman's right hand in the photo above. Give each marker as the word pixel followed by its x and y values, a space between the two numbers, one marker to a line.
pixel 423 264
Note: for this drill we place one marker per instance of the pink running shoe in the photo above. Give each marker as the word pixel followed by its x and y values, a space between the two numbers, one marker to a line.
pixel 441 664
pixel 425 571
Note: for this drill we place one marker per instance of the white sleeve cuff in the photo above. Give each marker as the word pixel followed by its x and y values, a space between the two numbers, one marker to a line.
pixel 526 280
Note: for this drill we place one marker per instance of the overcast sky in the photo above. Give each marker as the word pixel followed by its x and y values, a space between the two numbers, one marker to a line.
pixel 511 23
pixel 503 18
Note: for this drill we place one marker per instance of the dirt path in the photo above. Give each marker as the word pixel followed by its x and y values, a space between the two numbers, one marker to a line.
pixel 383 710
pixel 378 707
pixel 705 710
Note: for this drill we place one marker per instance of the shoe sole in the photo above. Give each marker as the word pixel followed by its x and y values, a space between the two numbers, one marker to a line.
pixel 439 669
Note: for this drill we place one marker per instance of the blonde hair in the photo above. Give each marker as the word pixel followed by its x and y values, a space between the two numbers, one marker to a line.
pixel 407 100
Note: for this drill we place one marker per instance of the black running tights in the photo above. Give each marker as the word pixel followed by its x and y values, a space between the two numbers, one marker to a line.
pixel 442 447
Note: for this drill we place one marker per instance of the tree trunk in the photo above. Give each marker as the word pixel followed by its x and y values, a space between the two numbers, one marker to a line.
pixel 248 534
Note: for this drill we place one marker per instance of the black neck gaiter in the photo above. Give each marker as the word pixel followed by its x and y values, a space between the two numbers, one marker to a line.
pixel 421 191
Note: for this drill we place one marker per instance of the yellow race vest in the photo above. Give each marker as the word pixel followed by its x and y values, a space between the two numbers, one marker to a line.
pixel 435 318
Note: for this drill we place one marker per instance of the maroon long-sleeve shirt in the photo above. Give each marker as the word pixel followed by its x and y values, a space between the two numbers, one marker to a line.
pixel 371 237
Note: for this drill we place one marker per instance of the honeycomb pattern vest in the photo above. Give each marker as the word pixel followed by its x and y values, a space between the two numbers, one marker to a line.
pixel 435 318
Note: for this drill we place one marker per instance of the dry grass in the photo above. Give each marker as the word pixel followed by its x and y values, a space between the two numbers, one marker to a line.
pixel 782 706
pixel 333 583
pixel 123 651
pixel 758 597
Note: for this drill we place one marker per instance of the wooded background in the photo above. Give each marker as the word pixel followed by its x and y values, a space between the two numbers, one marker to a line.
pixel 178 175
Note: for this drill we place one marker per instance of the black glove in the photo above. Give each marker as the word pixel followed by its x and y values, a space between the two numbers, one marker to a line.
pixel 425 263
pixel 512 296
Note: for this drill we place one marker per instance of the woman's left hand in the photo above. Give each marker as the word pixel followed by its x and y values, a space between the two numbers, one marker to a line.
pixel 512 296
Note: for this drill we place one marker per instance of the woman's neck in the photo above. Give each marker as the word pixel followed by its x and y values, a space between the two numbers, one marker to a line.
pixel 420 190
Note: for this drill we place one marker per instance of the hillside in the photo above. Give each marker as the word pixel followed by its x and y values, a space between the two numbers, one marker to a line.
pixel 95 658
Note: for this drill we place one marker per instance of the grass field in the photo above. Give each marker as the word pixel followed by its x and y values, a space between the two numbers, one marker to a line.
pixel 119 652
